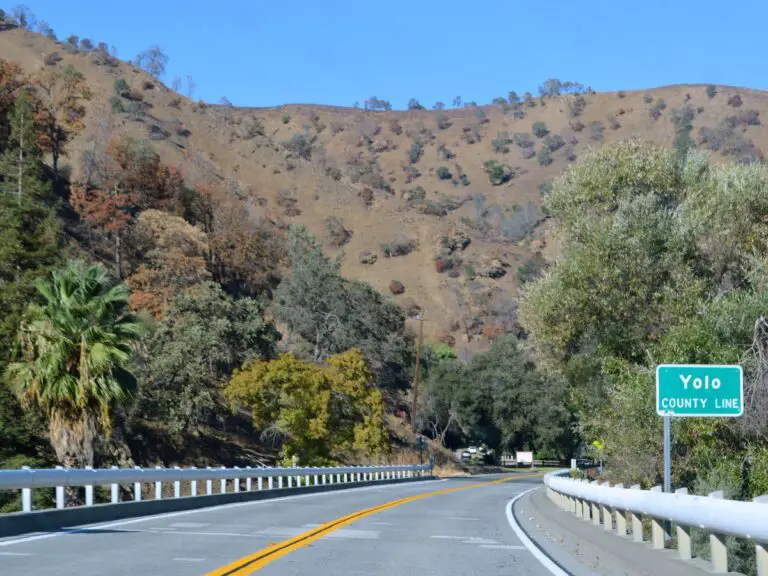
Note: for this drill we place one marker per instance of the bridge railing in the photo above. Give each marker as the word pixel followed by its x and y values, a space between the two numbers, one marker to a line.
pixel 27 479
pixel 622 510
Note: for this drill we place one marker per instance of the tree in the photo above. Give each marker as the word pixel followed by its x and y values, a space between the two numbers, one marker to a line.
pixel 73 358
pixel 21 162
pixel 66 92
pixel 330 315
pixel 319 412
pixel 23 16
pixel 153 61
pixel 193 350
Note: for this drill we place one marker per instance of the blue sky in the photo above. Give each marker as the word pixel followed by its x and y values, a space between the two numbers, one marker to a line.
pixel 265 53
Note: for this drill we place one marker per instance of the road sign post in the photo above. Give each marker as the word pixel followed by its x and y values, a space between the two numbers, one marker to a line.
pixel 696 391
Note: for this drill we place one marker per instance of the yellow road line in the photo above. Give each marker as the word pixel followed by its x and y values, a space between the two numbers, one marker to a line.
pixel 252 563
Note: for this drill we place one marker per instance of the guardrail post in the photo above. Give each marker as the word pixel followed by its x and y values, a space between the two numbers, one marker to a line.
pixel 607 513
pixel 137 488
pixel 89 491
pixel 338 478
pixel 279 481
pixel 223 483
pixel 290 481
pixel 346 477
pixel 236 480
pixel 684 535
pixel 323 477
pixel 26 496
pixel 59 492
pixel 595 508
pixel 209 483
pixel 260 483
pixel 718 551
pixel 193 485
pixel 657 530
pixel 298 480
pixel 177 485
pixel 115 490
pixel 317 480
pixel 271 483
pixel 158 487
pixel 306 478
pixel 249 482
pixel 637 524
pixel 761 550
pixel 621 518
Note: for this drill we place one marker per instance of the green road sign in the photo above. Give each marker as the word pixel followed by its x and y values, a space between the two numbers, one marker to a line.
pixel 699 390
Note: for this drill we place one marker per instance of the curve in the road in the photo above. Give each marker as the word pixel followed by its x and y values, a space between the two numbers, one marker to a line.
pixel 252 563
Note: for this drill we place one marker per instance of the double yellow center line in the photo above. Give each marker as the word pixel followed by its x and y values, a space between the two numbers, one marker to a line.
pixel 249 564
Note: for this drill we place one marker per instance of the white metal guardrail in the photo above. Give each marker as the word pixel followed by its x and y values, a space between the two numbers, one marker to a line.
pixel 26 479
pixel 611 505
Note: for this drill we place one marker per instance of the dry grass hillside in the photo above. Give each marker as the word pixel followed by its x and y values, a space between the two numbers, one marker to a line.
pixel 407 196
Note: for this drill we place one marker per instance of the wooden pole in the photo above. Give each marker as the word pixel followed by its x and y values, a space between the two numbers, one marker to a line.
pixel 418 372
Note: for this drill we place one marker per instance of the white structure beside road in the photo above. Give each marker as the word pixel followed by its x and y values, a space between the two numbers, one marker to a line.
pixel 622 510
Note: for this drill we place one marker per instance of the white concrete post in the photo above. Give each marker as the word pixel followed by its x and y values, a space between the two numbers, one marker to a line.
pixel 683 535
pixel 637 524
pixel 718 551
pixel 59 492
pixel 137 488
pixel 298 481
pixel 279 481
pixel 158 486
pixel 260 483
pixel 607 513
pixel 595 508
pixel 223 483
pixel 657 529
pixel 88 491
pixel 26 496
pixel 248 484
pixel 237 480
pixel 177 485
pixel 193 486
pixel 306 480
pixel 317 480
pixel 290 481
pixel 621 518
pixel 115 490
pixel 338 478
pixel 346 477
pixel 761 549
pixel 209 484
pixel 271 483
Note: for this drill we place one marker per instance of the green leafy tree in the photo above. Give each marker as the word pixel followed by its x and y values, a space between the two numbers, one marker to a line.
pixel 21 161
pixel 317 412
pixel 203 337
pixel 74 355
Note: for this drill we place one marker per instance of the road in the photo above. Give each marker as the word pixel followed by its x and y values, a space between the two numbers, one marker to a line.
pixel 449 527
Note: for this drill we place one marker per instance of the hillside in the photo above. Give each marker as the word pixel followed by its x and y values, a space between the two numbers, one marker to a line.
pixel 414 182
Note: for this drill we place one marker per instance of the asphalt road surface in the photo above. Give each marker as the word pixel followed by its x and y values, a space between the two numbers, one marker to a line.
pixel 450 527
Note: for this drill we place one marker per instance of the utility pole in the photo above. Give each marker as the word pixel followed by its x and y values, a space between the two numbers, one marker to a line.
pixel 420 318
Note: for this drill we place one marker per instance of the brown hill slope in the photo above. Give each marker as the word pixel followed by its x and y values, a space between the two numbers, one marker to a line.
pixel 411 182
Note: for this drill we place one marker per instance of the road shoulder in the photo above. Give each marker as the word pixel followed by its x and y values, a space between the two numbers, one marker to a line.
pixel 583 549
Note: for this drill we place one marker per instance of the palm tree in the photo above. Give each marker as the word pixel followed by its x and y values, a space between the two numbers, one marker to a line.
pixel 73 354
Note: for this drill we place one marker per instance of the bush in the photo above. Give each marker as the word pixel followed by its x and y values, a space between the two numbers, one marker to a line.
pixel 116 103
pixel 414 104
pixel 711 91
pixel 527 153
pixel 335 232
pixel 396 287
pixel 122 88
pixel 734 101
pixel 398 247
pixel 648 98
pixel 415 152
pixel 52 59
pixel 554 142
pixel 570 155
pixel 545 156
pixel 528 100
pixel 622 94
pixel 531 269
pixel 443 173
pixel 300 145
pixel 497 172
pixel 285 118
pixel 613 123
pixel 596 130
pixel 86 45
pixel 539 129
pixel 395 127
pixel 523 140
pixel 576 105
pixel 499 144
pixel 442 121
pixel 657 108
pixel 480 115
pixel 577 126
pixel 744 118
pixel 449 264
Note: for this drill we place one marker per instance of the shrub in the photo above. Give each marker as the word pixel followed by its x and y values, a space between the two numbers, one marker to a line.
pixel 554 142
pixel 622 94
pixel 530 269
pixel 545 156
pixel 398 247
pixel 395 127
pixel 52 59
pixel 449 264
pixel 415 152
pixel 613 123
pixel 528 100
pixel 122 88
pixel 596 130
pixel 497 172
pixel 443 173
pixel 446 154
pixel 711 91
pixel 576 105
pixel 469 271
pixel 335 231
pixel 73 40
pixel 375 104
pixel 576 126
pixel 744 118
pixel 539 129
pixel 648 98
pixel 734 101
pixel 527 153
pixel 414 104
pixel 499 144
pixel 396 287
pixel 570 155
pixel 86 45
pixel 300 145
pixel 116 103
pixel 442 121
pixel 464 179
pixel 285 118
pixel 523 140
pixel 657 108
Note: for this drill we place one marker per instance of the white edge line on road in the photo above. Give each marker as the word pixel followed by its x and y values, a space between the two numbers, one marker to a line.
pixel 532 548
pixel 208 509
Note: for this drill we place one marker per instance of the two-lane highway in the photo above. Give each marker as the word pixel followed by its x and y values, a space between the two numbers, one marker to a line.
pixel 451 527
